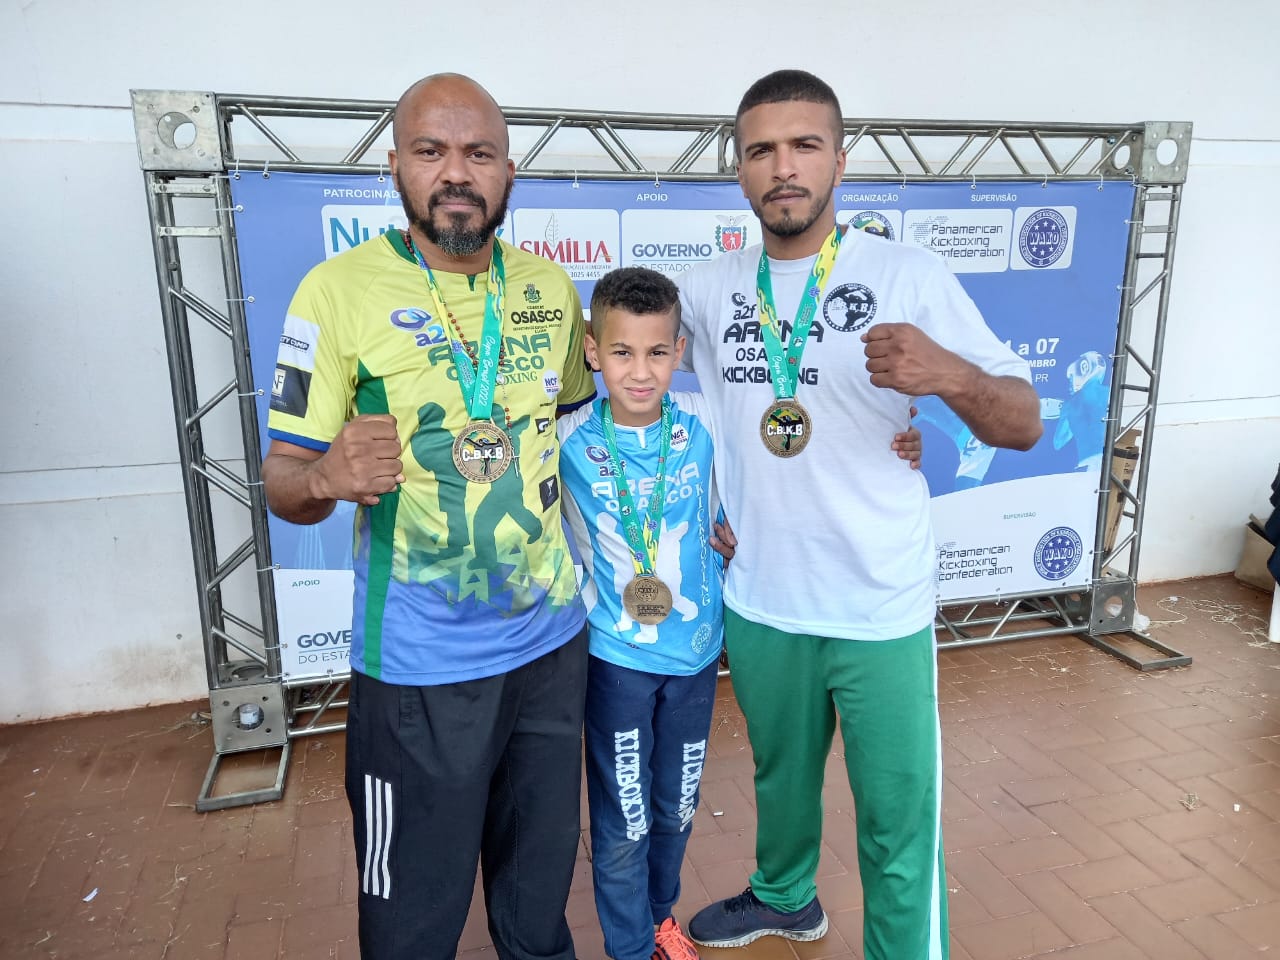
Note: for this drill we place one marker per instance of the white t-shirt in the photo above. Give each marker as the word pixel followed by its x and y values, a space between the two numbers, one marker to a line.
pixel 835 541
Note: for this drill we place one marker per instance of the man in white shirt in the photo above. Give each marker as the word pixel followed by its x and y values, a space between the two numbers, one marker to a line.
pixel 830 599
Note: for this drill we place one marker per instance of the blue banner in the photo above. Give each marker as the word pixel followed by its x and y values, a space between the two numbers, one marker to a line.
pixel 1044 263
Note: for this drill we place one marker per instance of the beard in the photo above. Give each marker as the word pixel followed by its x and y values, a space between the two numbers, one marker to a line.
pixel 455 237
pixel 785 224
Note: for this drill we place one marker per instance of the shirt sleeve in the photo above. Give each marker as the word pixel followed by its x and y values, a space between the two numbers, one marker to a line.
pixel 690 318
pixel 696 404
pixel 948 315
pixel 579 386
pixel 567 425
pixel 315 376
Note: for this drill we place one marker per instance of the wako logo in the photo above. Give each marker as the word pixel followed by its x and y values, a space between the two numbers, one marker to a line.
pixel 1058 553
pixel 1043 238
pixel 876 224
pixel 849 307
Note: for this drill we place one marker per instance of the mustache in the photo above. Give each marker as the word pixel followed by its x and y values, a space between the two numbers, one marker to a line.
pixel 784 188
pixel 456 192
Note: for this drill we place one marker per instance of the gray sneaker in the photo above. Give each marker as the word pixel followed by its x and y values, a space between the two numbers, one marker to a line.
pixel 744 919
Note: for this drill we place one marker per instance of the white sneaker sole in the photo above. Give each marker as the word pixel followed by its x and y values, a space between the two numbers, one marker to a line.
pixel 803 936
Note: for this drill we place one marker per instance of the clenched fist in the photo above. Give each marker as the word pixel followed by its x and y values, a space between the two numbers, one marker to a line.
pixel 903 357
pixel 362 462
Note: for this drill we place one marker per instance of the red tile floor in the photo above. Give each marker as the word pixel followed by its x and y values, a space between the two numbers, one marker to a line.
pixel 1091 811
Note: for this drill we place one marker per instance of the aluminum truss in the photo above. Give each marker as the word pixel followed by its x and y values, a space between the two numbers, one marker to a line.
pixel 191 143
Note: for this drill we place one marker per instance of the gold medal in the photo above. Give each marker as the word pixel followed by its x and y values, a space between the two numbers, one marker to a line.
pixel 647 599
pixel 483 452
pixel 785 428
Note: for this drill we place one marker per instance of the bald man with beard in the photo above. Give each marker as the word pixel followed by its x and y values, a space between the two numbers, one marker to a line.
pixel 396 390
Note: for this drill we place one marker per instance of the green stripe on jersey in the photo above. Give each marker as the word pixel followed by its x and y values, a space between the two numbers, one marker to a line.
pixel 371 397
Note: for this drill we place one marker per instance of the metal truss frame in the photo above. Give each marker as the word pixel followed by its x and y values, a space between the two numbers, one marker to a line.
pixel 191 144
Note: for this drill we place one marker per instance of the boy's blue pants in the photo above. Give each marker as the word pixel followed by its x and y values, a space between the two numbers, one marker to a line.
pixel 646 741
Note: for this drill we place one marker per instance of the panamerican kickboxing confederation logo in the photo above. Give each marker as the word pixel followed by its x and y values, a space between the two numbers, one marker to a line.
pixel 849 307
pixel 1058 553
pixel 1043 238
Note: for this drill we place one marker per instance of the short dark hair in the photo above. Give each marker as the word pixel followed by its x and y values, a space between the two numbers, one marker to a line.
pixel 785 86
pixel 637 290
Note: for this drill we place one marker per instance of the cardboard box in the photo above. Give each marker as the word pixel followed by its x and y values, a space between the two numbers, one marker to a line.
pixel 1124 464
pixel 1252 568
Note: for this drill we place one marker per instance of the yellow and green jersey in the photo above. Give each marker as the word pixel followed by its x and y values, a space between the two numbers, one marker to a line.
pixel 453 580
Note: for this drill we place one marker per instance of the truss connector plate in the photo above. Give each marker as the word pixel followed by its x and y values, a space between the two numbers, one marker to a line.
pixel 248 716
pixel 177 130
pixel 1164 151
pixel 1112 604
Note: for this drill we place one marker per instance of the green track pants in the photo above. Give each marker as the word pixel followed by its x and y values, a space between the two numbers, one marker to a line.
pixel 792 688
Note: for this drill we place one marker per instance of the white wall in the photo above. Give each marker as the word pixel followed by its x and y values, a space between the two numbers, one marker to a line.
pixel 98 596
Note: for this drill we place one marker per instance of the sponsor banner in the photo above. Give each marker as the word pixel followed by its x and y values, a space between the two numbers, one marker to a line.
pixel 346 225
pixel 880 222
pixel 972 241
pixel 584 242
pixel 672 241
pixel 1044 264
pixel 313 610
pixel 1034 534
pixel 1043 237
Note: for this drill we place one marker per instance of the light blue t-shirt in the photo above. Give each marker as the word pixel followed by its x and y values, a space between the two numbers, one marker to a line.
pixel 689 638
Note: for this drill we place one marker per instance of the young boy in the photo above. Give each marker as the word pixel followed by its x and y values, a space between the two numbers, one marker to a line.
pixel 637 469
pixel 642 507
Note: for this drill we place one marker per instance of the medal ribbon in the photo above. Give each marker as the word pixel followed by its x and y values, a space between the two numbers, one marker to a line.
pixel 642 538
pixel 784 364
pixel 476 379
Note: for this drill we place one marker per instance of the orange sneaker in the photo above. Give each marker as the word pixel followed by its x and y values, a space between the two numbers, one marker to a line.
pixel 671 942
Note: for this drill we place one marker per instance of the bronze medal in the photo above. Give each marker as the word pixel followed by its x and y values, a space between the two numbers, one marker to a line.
pixel 647 599
pixel 483 452
pixel 785 428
